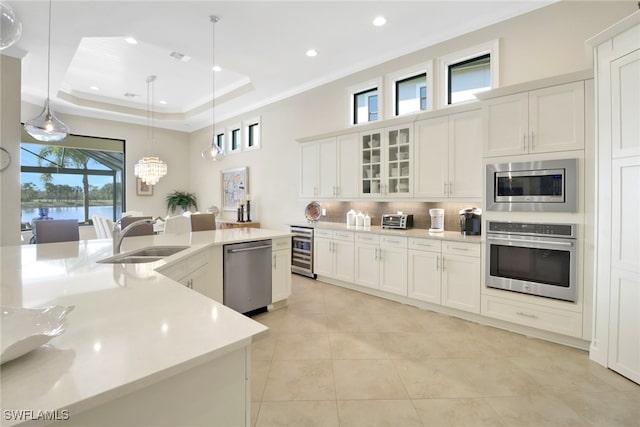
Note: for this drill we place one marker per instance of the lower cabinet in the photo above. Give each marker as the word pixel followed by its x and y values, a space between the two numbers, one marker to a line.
pixel 281 269
pixel 333 254
pixel 381 262
pixel 424 270
pixel 198 272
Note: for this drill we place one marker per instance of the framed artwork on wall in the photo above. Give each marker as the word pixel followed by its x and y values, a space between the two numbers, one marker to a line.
pixel 235 187
pixel 143 189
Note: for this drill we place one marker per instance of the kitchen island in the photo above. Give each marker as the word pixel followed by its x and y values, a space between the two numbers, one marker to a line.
pixel 139 348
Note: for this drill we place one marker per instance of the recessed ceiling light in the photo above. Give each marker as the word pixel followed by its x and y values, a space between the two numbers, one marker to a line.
pixel 216 68
pixel 312 53
pixel 163 102
pixel 94 88
pixel 131 40
pixel 379 21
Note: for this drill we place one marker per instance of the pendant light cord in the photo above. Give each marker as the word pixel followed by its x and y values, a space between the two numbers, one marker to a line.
pixel 49 56
pixel 213 20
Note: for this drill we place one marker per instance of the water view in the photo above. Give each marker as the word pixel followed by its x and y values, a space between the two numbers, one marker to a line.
pixel 74 212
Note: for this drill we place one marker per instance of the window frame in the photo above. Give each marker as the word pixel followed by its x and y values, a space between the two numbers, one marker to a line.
pixel 352 91
pixel 220 138
pixel 491 48
pixel 231 131
pixel 406 74
pixel 255 136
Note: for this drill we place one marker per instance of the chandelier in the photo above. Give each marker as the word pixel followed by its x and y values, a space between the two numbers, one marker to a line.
pixel 150 168
pixel 213 152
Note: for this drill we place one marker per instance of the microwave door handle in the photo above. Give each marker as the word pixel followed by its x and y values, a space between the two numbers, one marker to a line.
pixel 538 242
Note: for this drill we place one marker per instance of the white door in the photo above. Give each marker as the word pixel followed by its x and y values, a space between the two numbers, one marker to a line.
pixel 309 170
pixel 323 257
pixel 367 266
pixel 424 276
pixel 625 92
pixel 343 260
pixel 461 282
pixel 506 125
pixel 465 152
pixel 430 166
pixel 328 168
pixel 281 275
pixel 347 179
pixel 393 270
pixel 556 118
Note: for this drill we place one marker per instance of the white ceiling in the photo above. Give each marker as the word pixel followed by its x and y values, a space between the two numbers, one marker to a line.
pixel 260 46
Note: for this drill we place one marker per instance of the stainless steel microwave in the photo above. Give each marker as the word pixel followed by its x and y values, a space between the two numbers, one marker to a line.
pixel 539 186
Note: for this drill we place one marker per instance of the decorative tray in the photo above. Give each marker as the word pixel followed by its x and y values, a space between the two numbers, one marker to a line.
pixel 25 329
pixel 313 211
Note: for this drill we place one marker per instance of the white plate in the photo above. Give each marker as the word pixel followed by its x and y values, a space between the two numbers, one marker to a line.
pixel 25 329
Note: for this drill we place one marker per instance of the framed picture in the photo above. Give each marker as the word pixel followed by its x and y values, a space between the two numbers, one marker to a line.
pixel 235 187
pixel 143 189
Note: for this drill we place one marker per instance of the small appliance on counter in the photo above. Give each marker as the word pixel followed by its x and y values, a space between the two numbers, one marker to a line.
pixel 471 221
pixel 437 220
pixel 398 221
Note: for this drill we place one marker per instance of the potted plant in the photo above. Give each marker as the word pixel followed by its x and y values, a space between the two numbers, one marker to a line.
pixel 181 199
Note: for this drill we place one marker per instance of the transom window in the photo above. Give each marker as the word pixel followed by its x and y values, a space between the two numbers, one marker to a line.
pixel 466 78
pixel 411 94
pixel 365 106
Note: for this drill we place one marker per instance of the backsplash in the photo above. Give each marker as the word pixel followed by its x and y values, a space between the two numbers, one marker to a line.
pixel 337 211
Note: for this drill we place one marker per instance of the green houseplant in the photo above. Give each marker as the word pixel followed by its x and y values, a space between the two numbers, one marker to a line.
pixel 181 199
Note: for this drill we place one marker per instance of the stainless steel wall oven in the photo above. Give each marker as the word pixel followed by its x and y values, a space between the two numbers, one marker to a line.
pixel 532 258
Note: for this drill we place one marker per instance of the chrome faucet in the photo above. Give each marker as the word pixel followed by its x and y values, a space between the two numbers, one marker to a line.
pixel 120 234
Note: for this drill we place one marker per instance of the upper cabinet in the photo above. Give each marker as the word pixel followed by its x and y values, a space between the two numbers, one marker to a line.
pixel 448 157
pixel 539 121
pixel 329 168
pixel 385 162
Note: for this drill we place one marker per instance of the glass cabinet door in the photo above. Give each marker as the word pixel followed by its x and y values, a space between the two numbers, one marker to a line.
pixel 398 165
pixel 371 164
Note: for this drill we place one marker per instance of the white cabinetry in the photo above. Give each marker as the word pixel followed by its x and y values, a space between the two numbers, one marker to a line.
pixel 540 121
pixel 281 269
pixel 329 167
pixel 381 262
pixel 333 254
pixel 198 272
pixel 461 276
pixel 448 156
pixel 385 162
pixel 424 270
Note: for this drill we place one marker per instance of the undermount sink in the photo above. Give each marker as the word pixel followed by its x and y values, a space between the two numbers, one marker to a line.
pixel 150 254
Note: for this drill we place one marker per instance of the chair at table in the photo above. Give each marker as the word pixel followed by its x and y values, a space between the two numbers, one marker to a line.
pixel 203 222
pixel 139 230
pixel 56 230
pixel 103 226
pixel 177 225
pixel 131 213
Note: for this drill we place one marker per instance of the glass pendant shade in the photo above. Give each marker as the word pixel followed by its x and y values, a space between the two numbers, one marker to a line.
pixel 150 169
pixel 46 127
pixel 10 26
pixel 213 152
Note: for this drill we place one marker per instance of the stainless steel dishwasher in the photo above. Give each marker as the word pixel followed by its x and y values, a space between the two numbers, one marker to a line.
pixel 247 276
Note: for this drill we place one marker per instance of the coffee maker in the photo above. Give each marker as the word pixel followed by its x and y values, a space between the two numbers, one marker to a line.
pixel 470 221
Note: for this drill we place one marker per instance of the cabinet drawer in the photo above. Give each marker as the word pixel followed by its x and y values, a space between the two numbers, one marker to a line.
pixel 461 248
pixel 425 244
pixel 537 316
pixel 393 241
pixel 343 235
pixel 281 243
pixel 368 238
pixel 319 232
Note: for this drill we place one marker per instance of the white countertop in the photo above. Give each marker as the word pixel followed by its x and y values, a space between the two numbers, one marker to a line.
pixel 131 326
pixel 455 236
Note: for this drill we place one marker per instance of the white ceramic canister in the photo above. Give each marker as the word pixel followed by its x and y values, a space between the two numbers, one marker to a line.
pixel 359 219
pixel 367 220
pixel 351 217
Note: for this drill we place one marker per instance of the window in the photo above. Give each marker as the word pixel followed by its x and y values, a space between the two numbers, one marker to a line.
pixel 252 134
pixel 365 106
pixel 468 77
pixel 411 94
pixel 468 72
pixel 75 179
pixel 220 140
pixel 235 139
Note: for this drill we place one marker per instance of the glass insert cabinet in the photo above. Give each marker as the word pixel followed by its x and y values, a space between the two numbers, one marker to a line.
pixel 385 157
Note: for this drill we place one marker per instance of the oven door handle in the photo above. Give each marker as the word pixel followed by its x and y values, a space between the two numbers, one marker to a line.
pixel 537 242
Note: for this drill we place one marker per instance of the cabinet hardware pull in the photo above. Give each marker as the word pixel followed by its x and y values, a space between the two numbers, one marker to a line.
pixel 524 141
pixel 274 261
pixel 450 188
pixel 442 262
pixel 437 263
pixel 460 249
pixel 532 316
pixel 253 248
pixel 392 241
pixel 445 188
pixel 532 140
pixel 546 242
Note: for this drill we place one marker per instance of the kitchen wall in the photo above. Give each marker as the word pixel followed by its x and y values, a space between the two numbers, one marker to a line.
pixel 543 43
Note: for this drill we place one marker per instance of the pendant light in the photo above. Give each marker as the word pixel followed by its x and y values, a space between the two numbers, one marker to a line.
pixel 10 26
pixel 150 168
pixel 213 152
pixel 47 127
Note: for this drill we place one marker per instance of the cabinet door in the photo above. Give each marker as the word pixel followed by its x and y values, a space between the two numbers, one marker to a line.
pixel 367 266
pixel 461 282
pixel 625 93
pixel 398 156
pixel 281 275
pixel 465 155
pixel 424 276
pixel 198 280
pixel 323 257
pixel 347 178
pixel 556 118
pixel 309 170
pixel 343 261
pixel 430 169
pixel 371 164
pixel 393 270
pixel 506 127
pixel 327 168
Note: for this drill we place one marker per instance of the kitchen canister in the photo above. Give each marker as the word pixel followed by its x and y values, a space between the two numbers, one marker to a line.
pixel 367 220
pixel 351 218
pixel 359 219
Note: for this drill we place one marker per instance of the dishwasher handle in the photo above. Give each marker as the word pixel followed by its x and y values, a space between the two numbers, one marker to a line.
pixel 252 248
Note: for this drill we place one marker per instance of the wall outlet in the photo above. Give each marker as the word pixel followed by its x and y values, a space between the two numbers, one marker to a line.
pixel 324 212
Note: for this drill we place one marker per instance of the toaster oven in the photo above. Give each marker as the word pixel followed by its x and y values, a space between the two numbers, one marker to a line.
pixel 400 221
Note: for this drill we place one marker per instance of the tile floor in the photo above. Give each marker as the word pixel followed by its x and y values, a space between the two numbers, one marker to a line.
pixel 335 357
